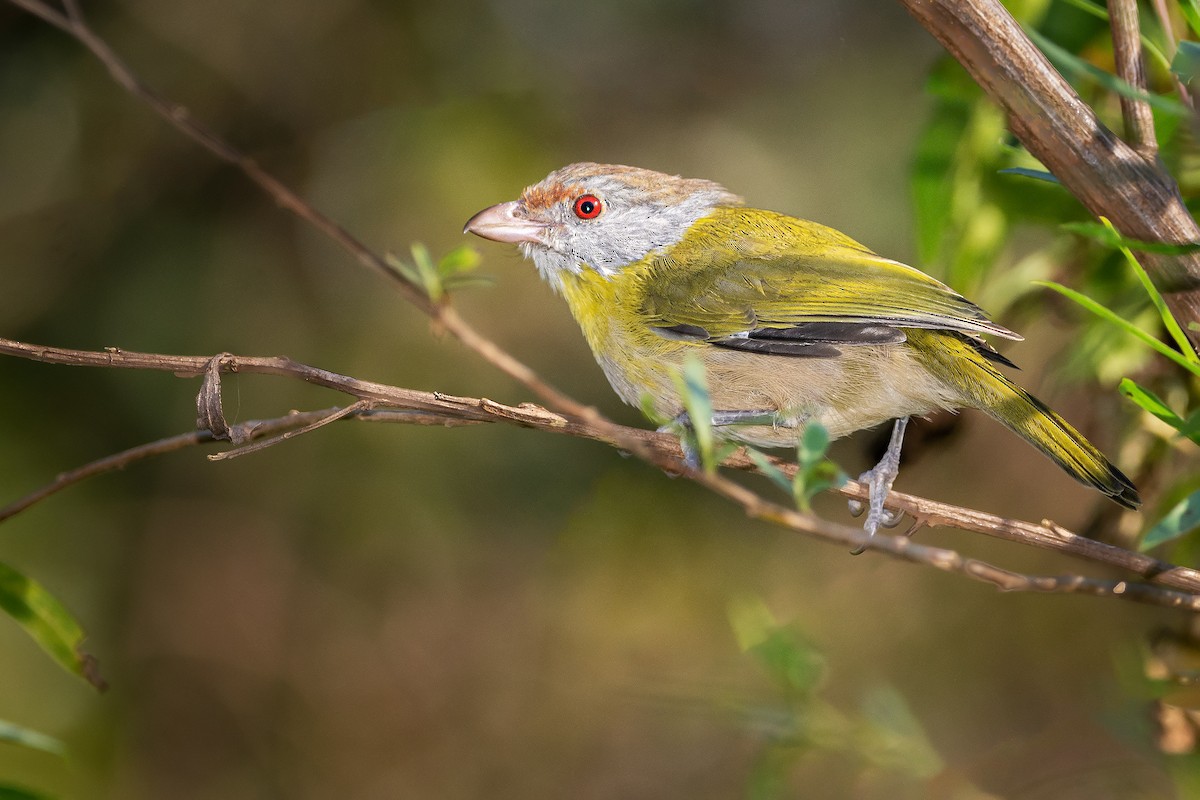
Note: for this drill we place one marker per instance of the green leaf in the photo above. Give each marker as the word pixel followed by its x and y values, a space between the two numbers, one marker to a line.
pixel 10 792
pixel 1111 316
pixel 463 258
pixel 11 733
pixel 774 473
pixel 1072 64
pixel 1109 236
pixel 1191 12
pixel 1152 403
pixel 693 388
pixel 428 273
pixel 1160 305
pixel 1180 520
pixel 814 443
pixel 815 473
pixel 1187 61
pixel 1036 174
pixel 46 619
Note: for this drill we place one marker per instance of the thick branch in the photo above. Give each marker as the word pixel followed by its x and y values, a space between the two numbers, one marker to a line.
pixel 1058 128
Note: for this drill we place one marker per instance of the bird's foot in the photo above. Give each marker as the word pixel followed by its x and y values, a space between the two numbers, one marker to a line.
pixel 879 480
pixel 682 423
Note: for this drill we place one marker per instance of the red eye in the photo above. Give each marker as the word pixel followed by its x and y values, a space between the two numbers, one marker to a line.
pixel 588 206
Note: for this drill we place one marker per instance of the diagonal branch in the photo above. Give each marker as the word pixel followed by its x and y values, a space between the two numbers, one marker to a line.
pixel 1108 176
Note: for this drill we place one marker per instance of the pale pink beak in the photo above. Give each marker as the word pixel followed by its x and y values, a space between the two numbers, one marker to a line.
pixel 500 224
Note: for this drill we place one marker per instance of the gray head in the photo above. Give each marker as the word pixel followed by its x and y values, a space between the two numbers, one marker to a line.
pixel 599 216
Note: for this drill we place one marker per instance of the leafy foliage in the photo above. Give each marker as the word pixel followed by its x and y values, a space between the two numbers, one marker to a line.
pixel 449 273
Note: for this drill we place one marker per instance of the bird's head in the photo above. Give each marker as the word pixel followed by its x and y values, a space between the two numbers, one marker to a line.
pixel 601 217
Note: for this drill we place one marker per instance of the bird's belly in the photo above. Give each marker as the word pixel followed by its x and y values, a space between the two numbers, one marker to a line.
pixel 863 387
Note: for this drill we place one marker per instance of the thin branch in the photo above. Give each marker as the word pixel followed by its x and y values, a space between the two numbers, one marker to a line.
pixel 417 407
pixel 255 429
pixel 333 416
pixel 1127 50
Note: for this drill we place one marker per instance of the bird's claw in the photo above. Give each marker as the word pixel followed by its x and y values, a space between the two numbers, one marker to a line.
pixel 879 480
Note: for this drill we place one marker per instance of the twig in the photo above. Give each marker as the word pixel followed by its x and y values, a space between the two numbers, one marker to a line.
pixel 160 447
pixel 1127 50
pixel 333 416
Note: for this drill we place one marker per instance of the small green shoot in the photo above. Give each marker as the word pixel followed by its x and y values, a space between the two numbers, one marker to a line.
pixel 438 279
pixel 693 389
pixel 815 473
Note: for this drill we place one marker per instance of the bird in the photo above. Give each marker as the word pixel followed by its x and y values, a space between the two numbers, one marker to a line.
pixel 793 321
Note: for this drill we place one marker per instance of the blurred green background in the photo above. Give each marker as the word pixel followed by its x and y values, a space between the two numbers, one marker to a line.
pixel 394 612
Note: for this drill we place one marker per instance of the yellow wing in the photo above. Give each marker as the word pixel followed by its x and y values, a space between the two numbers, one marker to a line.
pixel 745 275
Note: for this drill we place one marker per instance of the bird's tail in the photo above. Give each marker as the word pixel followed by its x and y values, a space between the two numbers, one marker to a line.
pixel 969 364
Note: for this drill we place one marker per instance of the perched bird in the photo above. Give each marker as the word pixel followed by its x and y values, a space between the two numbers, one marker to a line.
pixel 793 321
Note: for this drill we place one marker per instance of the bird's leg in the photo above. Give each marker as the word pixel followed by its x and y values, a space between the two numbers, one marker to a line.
pixel 879 480
pixel 721 419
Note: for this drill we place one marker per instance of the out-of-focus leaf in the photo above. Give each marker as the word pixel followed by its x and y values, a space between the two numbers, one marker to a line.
pixel 933 169
pixel 1110 237
pixel 896 739
pixel 47 620
pixel 791 659
pixel 1191 12
pixel 1152 403
pixel 11 733
pixel 1070 63
pixel 1187 61
pixel 1104 313
pixel 10 792
pixel 1026 172
pixel 1180 520
pixel 463 258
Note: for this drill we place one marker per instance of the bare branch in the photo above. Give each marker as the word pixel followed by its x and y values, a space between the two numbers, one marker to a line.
pixel 426 408
pixel 141 452
pixel 1062 132
pixel 332 416
pixel 1127 50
